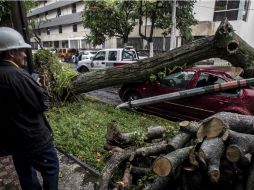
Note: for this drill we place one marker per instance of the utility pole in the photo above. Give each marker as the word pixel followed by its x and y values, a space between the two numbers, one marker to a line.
pixel 173 28
pixel 19 21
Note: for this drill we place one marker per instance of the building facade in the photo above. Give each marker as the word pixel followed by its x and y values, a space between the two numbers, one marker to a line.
pixel 59 24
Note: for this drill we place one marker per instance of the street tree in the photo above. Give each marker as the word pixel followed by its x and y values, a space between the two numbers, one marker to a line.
pixel 159 14
pixel 107 19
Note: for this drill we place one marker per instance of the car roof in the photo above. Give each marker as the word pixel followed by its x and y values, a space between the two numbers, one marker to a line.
pixel 232 71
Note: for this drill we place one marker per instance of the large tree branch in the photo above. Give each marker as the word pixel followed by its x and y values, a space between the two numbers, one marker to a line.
pixel 225 44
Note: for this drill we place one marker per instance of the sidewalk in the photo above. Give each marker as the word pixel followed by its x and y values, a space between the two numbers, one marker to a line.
pixel 73 176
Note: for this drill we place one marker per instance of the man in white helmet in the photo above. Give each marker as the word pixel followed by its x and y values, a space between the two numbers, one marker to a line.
pixel 24 131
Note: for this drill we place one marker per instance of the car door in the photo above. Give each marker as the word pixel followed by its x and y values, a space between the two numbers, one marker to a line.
pixel 112 57
pixel 208 104
pixel 99 61
pixel 173 83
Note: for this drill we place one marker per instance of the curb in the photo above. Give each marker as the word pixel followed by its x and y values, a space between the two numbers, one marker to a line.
pixel 82 164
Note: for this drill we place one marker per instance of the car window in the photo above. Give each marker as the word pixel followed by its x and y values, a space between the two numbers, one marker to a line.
pixel 100 56
pixel 128 55
pixel 178 80
pixel 206 79
pixel 112 55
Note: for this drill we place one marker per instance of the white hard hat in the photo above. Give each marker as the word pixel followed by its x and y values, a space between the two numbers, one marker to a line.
pixel 11 39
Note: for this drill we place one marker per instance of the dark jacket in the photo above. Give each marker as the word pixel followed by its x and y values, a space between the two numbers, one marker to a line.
pixel 23 127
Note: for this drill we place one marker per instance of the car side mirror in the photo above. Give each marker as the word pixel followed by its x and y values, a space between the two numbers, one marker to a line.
pixel 91 58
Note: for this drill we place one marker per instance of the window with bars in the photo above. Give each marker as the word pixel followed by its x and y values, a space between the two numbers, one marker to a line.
pixel 232 9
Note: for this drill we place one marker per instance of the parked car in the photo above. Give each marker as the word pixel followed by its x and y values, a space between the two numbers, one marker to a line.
pixel 65 54
pixel 83 54
pixel 197 107
pixel 107 58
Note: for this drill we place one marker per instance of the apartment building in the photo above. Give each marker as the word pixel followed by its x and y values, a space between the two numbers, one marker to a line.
pixel 59 24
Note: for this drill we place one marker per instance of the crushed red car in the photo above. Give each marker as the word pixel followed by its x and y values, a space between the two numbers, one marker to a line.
pixel 197 107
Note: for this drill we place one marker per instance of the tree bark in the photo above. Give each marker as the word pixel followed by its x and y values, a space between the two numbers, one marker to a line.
pixel 166 165
pixel 115 137
pixel 211 151
pixel 113 163
pixel 126 182
pixel 241 145
pixel 250 180
pixel 225 44
pixel 158 183
pixel 186 132
pixel 236 122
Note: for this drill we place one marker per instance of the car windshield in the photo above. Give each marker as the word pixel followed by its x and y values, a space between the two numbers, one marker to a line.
pixel 178 80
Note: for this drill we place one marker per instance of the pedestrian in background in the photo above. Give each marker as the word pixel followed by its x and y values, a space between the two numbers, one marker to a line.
pixel 24 131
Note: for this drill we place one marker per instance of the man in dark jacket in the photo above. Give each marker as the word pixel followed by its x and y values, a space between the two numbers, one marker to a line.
pixel 24 131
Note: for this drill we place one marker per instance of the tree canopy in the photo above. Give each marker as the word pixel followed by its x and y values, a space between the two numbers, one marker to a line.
pixel 107 19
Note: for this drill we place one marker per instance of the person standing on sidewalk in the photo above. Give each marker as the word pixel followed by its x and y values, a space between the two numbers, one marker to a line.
pixel 24 131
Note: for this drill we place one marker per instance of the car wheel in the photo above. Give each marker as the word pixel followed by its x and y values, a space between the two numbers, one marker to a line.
pixel 83 70
pixel 132 96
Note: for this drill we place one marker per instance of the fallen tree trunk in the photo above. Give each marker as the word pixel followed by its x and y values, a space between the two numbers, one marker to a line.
pixel 225 44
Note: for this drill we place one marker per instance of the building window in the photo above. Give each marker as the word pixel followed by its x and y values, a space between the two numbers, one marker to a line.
pixel 39 32
pixel 226 8
pixel 48 31
pixel 75 27
pixel 58 12
pixel 74 8
pixel 60 29
pixel 46 14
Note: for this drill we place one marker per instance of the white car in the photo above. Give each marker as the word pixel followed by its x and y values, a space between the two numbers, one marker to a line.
pixel 83 54
pixel 107 58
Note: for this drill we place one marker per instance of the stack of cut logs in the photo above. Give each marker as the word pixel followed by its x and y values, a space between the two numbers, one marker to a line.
pixel 215 153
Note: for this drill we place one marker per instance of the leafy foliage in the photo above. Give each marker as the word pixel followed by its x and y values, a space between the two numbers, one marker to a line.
pixel 117 18
pixel 55 76
pixel 107 19
pixel 80 127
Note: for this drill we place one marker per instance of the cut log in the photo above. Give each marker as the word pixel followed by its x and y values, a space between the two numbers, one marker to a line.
pixel 153 150
pixel 179 140
pixel 241 144
pixel 111 165
pixel 250 180
pixel 226 44
pixel 166 165
pixel 211 151
pixel 236 122
pixel 211 128
pixel 186 132
pixel 189 127
pixel 159 183
pixel 155 132
pixel 126 182
pixel 140 171
pixel 115 137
